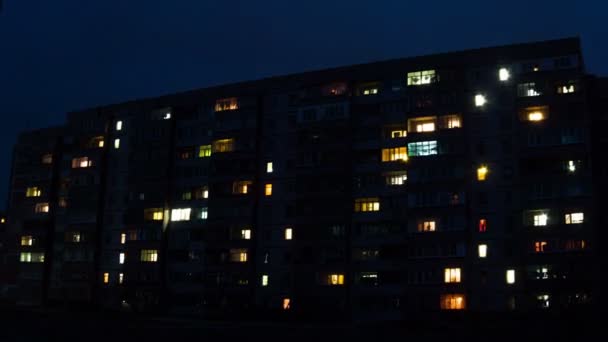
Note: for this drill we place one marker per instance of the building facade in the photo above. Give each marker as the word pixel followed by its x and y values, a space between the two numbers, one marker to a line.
pixel 458 181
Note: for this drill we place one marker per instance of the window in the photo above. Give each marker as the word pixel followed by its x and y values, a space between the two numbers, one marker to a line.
pixel 123 238
pixel 417 78
pixel 28 257
pixel 482 250
pixel 33 192
pixel 482 172
pixel 451 121
pixel 483 225
pixel 396 179
pixel 423 124
pixel 100 143
pixel 503 74
pixel 543 301
pixel 572 165
pixel 41 208
pixel 81 162
pixel 452 302
pixel 568 88
pixel 288 233
pixel 394 154
pixel 202 192
pixel 527 89
pixel 187 195
pixel 116 143
pixel 74 237
pixel 265 280
pixel 204 213
pixel 246 234
pixel 180 214
pixel 149 255
pixel 238 255
pixel 426 226
pixel 106 278
pixel 335 279
pixel 241 187
pixel 510 276
pixel 167 116
pixel 422 148
pixel 47 158
pixel 574 218
pixel 226 104
pixel 369 91
pixel 268 190
pixel 223 145
pixel 118 125
pixel 204 151
pixel 367 204
pixel 121 258
pixel 121 278
pixel 269 168
pixel 540 246
pixel 398 134
pixel 534 114
pixel 540 219
pixel 154 214
pixel 451 275
pixel 286 303
pixel 27 240
pixel 480 100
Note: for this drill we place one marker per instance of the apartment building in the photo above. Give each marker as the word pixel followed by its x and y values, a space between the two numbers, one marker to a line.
pixel 463 181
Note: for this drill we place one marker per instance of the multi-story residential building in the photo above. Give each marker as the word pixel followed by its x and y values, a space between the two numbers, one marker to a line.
pixel 457 181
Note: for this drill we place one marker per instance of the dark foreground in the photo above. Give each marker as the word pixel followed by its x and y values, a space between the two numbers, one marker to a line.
pixel 42 326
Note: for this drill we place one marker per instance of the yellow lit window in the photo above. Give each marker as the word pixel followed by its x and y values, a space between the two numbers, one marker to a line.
pixel 398 134
pixel 238 255
pixel 148 255
pixel 288 233
pixel 503 74
pixel 47 158
pixel 245 234
pixel 286 303
pixel 121 258
pixel 2 220
pixel 451 121
pixel 510 276
pixel 41 208
pixel 180 214
pixel 28 257
pixel 106 278
pixel 269 168
pixel 453 302
pixel 241 187
pixel 265 280
pixel 541 219
pixel 536 116
pixel 268 190
pixel 335 279
pixel 226 104
pixel 452 275
pixel 574 218
pixel 422 124
pixel 153 214
pixel 223 145
pixel 121 278
pixel 204 151
pixel 81 162
pixel 540 246
pixel 123 238
pixel 426 226
pixel 482 172
pixel 370 91
pixel 482 250
pixel 27 240
pixel 367 204
pixel 33 192
pixel 480 100
pixel 116 143
pixel 100 143
pixel 394 154
pixel 417 78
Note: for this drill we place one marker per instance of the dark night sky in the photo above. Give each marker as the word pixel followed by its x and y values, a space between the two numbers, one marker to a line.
pixel 62 55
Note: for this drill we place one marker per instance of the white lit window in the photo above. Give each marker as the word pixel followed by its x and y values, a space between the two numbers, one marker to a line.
pixel 421 77
pixel 41 208
pixel 288 233
pixel 28 257
pixel 117 143
pixel 180 214
pixel 121 278
pixel 452 275
pixel 503 74
pixel 422 148
pixel 571 166
pixel 482 250
pixel 510 276
pixel 81 162
pixel 527 90
pixel 396 179
pixel 204 213
pixel 566 89
pixel 574 218
pixel 123 238
pixel 245 234
pixel 121 258
pixel 265 280
pixel 543 301
pixel 118 125
pixel 167 116
pixel 269 168
pixel 540 219
pixel 480 100
pixel 425 127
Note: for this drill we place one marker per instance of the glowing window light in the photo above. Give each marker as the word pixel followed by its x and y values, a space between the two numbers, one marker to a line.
pixel 116 143
pixel 504 74
pixel 268 190
pixel 286 303
pixel 118 125
pixel 536 116
pixel 121 258
pixel 106 278
pixel 123 238
pixel 265 280
pixel 482 250
pixel 540 219
pixel 269 168
pixel 121 278
pixel 246 234
pixel 510 276
pixel 288 233
pixel 574 218
pixel 452 275
pixel 480 100
pixel 482 172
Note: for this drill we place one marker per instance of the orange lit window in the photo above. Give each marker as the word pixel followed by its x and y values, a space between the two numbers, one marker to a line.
pixel 540 246
pixel 483 225
pixel 426 226
pixel 286 303
pixel 335 279
pixel 268 190
pixel 452 275
pixel 241 187
pixel 453 302
pixel 226 104
pixel 394 154
pixel 223 145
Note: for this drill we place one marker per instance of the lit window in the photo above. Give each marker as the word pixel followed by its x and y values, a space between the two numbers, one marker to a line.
pixel 540 246
pixel 367 204
pixel 482 250
pixel 116 143
pixel 100 143
pixel 288 233
pixel 566 89
pixel 204 151
pixel 503 74
pixel 81 162
pixel 269 168
pixel 41 208
pixel 398 134
pixel 201 192
pixel 74 237
pixel 450 121
pixel 422 148
pixel 106 278
pixel 540 219
pixel 180 214
pixel 121 258
pixel 426 226
pixel 2 220
pixel 398 179
pixel 527 90
pixel 452 275
pixel 335 279
pixel 27 240
pixel 482 172
pixel 187 195
pixel 223 145
pixel 265 280
pixel 28 257
pixel 535 116
pixel 452 302
pixel 483 225
pixel 155 214
pixel 394 154
pixel 241 187
pixel 246 234
pixel 423 124
pixel 268 190
pixel 286 303
pixel 167 116
pixel 118 125
pixel 574 218
pixel 421 77
pixel 47 158
pixel 62 202
pixel 123 238
pixel 226 104
pixel 480 100
pixel 149 255
pixel 510 276
pixel 33 192
pixel 238 255
pixel 370 91
pixel 543 300
pixel 121 278
pixel 204 213
pixel 571 166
